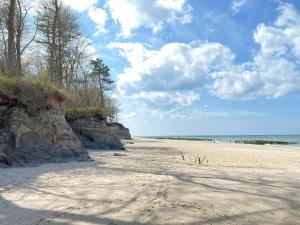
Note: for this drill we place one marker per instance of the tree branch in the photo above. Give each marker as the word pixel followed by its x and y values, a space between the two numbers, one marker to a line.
pixel 32 39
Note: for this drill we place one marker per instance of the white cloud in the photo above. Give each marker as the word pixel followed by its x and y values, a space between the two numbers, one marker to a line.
pixel 80 5
pixel 195 114
pixel 135 53
pixel 90 49
pixel 132 14
pixel 166 101
pixel 176 66
pixel 129 115
pixel 167 79
pixel 237 5
pixel 99 17
pixel 288 15
pixel 235 83
pixel 172 77
pixel 96 14
pixel 275 69
pixel 200 114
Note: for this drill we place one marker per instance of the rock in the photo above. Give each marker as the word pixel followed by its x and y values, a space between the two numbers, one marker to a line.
pixel 44 137
pixel 94 133
pixel 121 131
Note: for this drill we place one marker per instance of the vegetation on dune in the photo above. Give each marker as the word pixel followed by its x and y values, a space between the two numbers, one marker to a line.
pixel 85 112
pixel 75 113
pixel 39 54
pixel 32 94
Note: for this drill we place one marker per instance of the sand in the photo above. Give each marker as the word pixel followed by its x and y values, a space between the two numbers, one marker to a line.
pixel 151 184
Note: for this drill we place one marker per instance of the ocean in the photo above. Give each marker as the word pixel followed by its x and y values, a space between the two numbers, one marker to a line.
pixel 295 139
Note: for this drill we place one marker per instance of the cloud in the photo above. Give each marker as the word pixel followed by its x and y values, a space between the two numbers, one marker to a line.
pixel 99 17
pixel 275 68
pixel 237 5
pixel 168 79
pixel 174 76
pixel 181 114
pixel 176 66
pixel 167 101
pixel 135 53
pixel 89 47
pixel 80 5
pixel 96 14
pixel 235 83
pixel 201 114
pixel 132 14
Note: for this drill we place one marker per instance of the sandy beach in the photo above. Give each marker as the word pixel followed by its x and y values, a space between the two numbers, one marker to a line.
pixel 150 183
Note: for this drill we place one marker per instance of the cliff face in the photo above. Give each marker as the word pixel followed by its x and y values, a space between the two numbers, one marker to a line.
pixel 121 131
pixel 27 139
pixel 94 133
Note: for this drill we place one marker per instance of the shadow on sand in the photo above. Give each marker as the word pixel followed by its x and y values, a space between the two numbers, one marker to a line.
pixel 287 198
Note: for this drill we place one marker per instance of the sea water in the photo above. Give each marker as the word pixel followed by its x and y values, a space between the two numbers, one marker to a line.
pixel 233 138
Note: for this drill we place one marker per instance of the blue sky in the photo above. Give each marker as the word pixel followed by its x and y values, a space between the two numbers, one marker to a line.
pixel 207 67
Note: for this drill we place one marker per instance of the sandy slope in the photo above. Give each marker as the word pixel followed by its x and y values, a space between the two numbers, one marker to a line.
pixel 240 184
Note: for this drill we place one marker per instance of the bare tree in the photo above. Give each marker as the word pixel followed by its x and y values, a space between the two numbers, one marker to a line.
pixel 11 51
pixel 22 13
pixel 76 58
pixel 3 30
pixel 57 28
pixel 13 45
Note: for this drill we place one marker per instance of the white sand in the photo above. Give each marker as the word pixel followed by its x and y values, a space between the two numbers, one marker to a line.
pixel 240 184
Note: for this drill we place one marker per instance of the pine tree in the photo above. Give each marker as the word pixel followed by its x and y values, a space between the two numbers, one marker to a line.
pixel 101 73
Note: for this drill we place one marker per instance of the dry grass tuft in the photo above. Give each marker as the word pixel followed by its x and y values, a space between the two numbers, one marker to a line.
pixel 76 113
pixel 31 94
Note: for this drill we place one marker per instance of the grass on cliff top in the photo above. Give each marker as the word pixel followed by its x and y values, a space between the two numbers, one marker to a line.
pixel 30 93
pixel 76 113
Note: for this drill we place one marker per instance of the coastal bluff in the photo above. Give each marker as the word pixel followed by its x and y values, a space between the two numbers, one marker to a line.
pixel 121 131
pixel 33 129
pixel 36 127
pixel 94 131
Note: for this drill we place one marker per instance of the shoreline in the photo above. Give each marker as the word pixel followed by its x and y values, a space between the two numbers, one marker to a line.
pixel 255 141
pixel 151 183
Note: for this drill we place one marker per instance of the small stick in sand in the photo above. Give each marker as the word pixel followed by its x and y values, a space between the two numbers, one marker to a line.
pixel 182 155
pixel 196 158
pixel 203 159
pixel 200 161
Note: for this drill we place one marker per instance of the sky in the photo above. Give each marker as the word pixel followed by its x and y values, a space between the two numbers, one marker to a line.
pixel 200 67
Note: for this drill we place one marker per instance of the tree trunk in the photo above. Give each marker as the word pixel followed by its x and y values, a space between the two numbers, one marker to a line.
pixel 19 29
pixel 11 51
pixel 52 48
pixel 101 92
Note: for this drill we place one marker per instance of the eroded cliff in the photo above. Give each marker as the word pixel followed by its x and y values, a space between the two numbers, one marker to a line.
pixel 94 132
pixel 33 128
